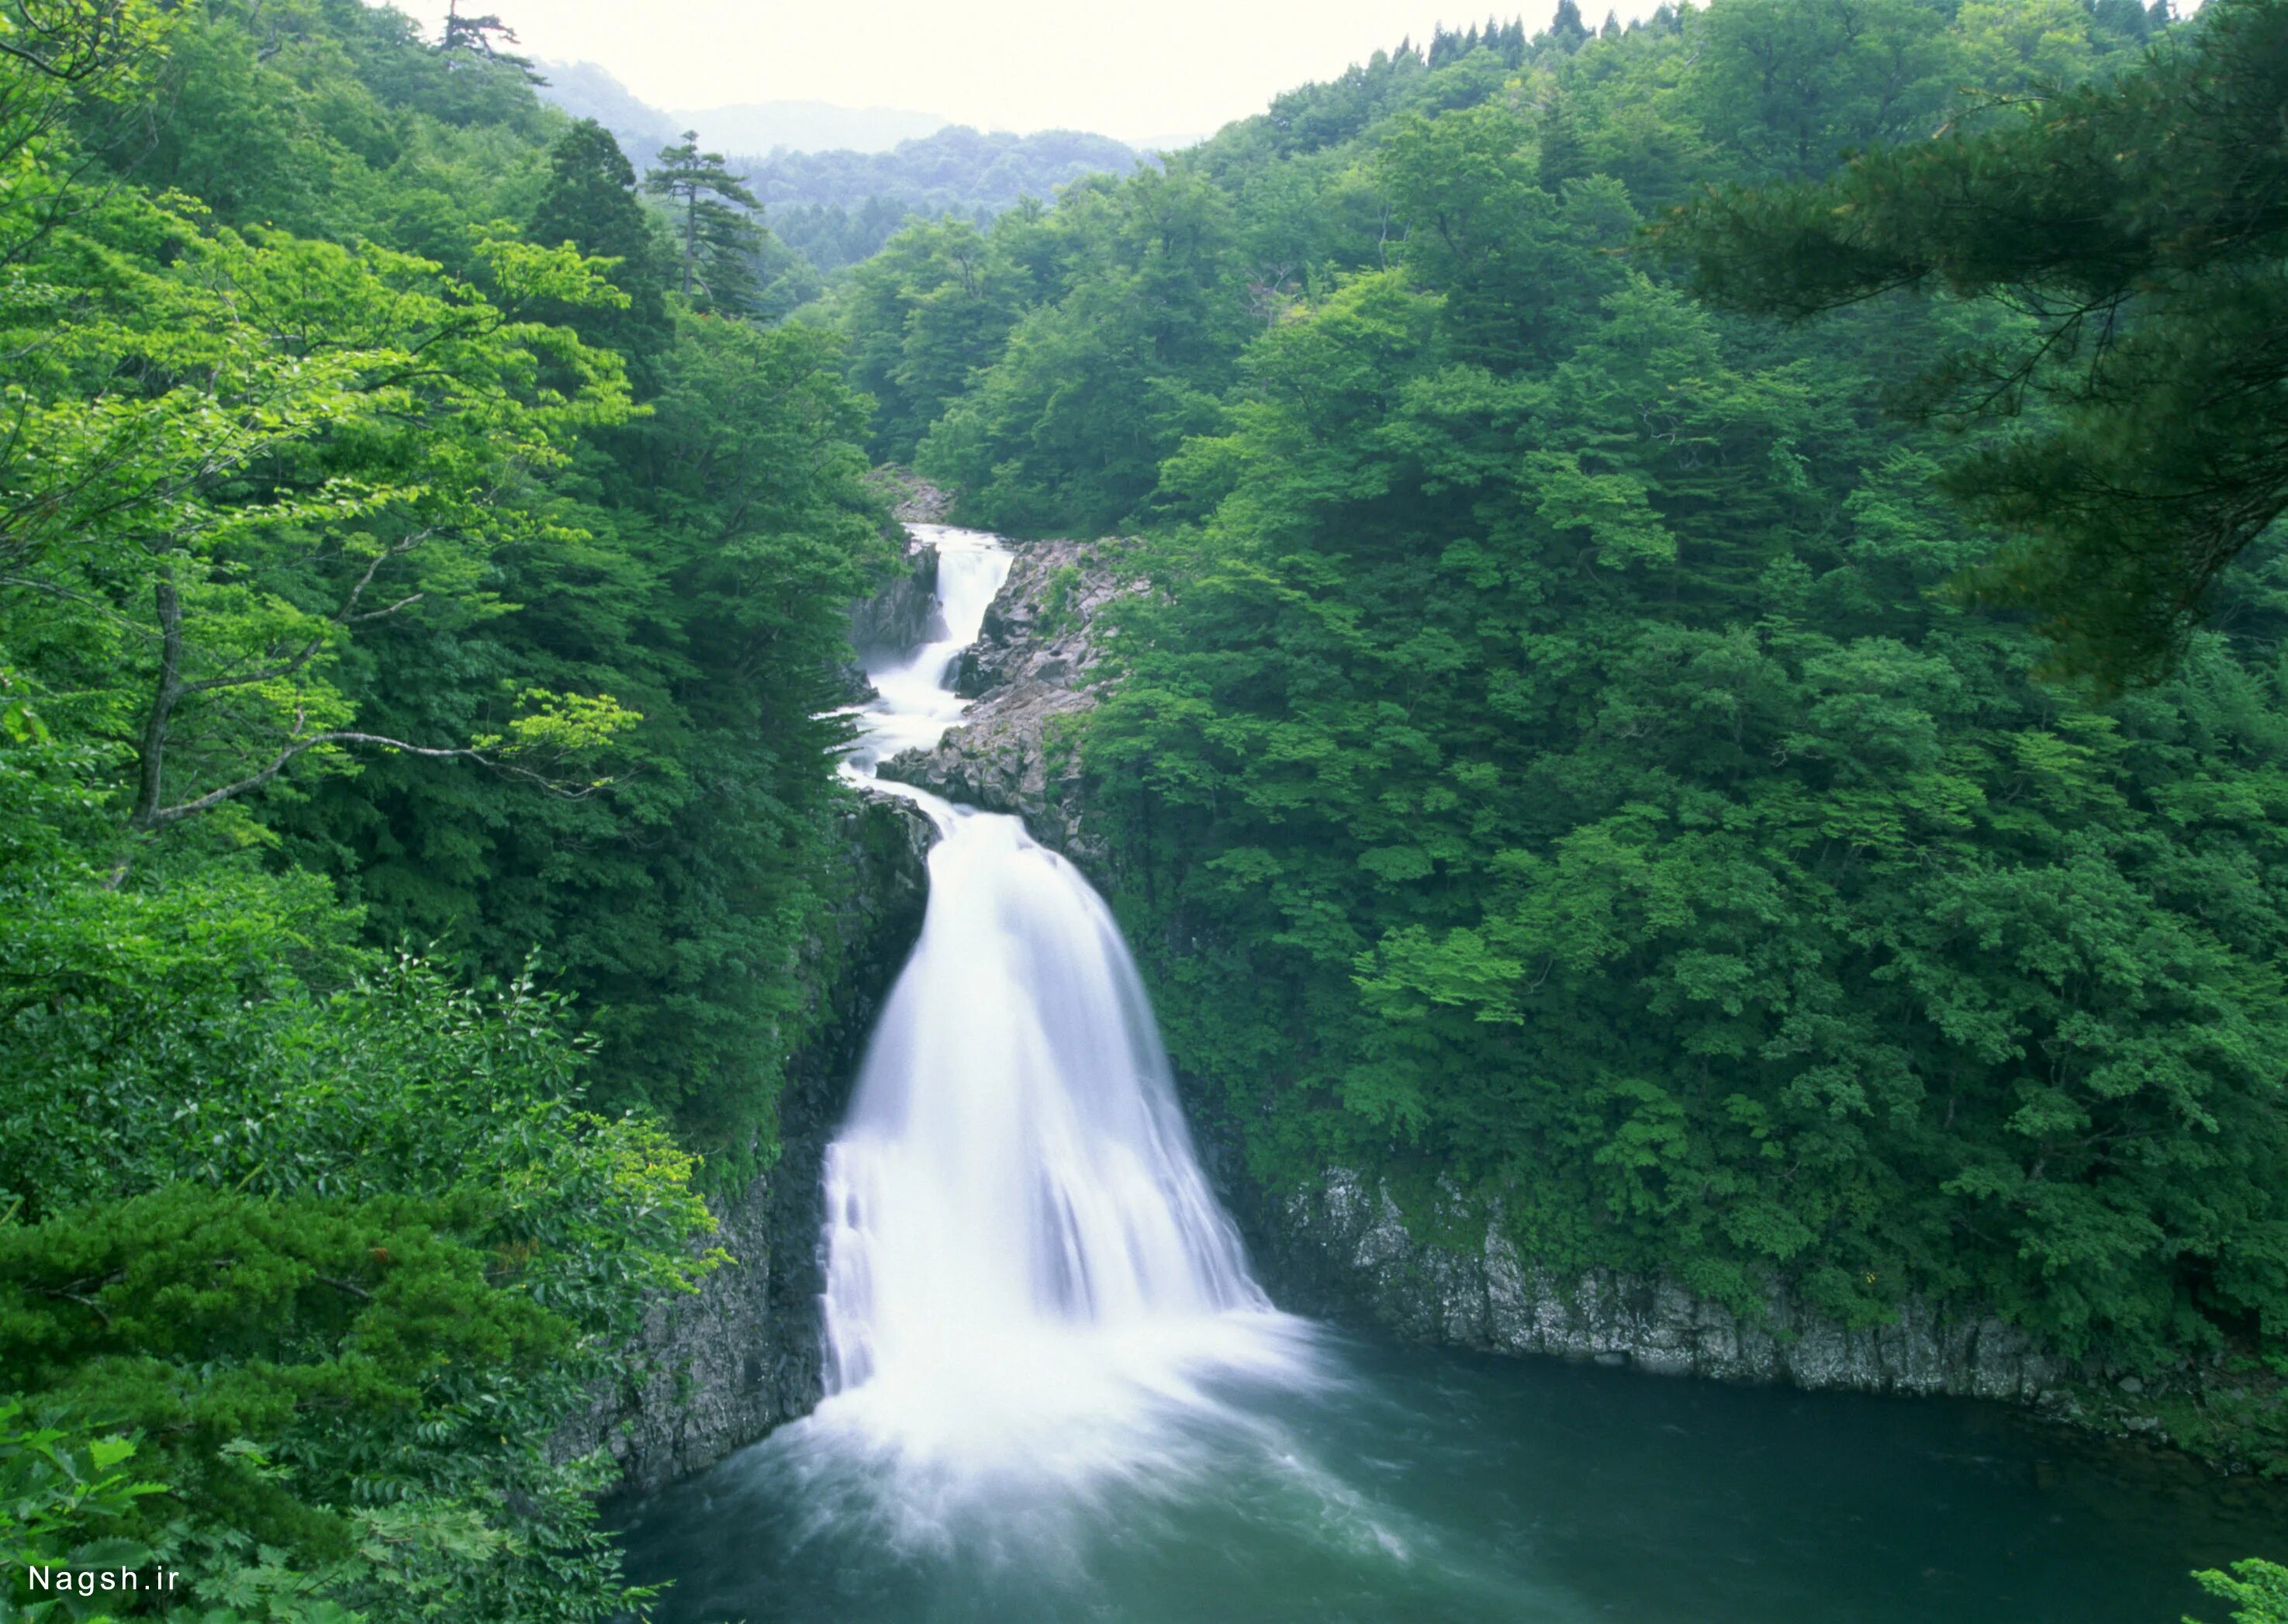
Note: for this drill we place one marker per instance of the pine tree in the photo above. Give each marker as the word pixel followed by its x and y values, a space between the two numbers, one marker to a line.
pixel 709 196
pixel 474 36
pixel 589 202
pixel 1563 156
pixel 2140 220
pixel 1566 29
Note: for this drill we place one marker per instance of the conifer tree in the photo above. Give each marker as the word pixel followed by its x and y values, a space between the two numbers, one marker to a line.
pixel 1566 29
pixel 2141 223
pixel 474 36
pixel 1563 156
pixel 710 197
pixel 591 202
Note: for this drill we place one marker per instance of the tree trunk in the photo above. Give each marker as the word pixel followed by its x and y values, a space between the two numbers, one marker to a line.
pixel 151 751
pixel 690 238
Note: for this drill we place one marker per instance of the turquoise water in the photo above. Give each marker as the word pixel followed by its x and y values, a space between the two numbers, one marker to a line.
pixel 1417 1485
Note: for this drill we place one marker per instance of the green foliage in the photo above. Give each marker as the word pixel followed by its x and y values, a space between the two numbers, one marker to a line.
pixel 337 1255
pixel 349 596
pixel 700 575
pixel 2137 221
pixel 719 238
pixel 838 208
pixel 1066 429
pixel 590 204
pixel 1552 758
pixel 56 1490
pixel 2261 1587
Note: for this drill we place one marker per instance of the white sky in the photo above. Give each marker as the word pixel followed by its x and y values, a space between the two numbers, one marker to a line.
pixel 1135 71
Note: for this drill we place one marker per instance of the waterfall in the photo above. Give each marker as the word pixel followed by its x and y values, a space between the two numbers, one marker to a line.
pixel 1023 1257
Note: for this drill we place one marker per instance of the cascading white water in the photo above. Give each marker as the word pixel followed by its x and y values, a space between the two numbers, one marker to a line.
pixel 1024 1261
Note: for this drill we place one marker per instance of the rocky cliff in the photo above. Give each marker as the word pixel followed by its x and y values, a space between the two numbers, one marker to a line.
pixel 1345 1248
pixel 721 1368
pixel 902 616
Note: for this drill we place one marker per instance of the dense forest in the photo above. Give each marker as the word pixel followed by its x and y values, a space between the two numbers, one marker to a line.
pixel 1727 791
pixel 1650 718
pixel 837 208
pixel 414 612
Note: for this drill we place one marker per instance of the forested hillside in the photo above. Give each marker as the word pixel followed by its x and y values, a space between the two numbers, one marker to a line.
pixel 837 208
pixel 1571 754
pixel 414 614
pixel 1720 703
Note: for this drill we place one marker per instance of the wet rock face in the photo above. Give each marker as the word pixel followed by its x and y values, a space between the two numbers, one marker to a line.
pixel 1032 669
pixel 719 1368
pixel 903 616
pixel 1345 1248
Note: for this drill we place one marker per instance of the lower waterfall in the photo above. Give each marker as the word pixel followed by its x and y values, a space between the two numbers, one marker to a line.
pixel 1026 1270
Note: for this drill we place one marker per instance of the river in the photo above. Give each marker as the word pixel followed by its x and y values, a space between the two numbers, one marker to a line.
pixel 1056 1393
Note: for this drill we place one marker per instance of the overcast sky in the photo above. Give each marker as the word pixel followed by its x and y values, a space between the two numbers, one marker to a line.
pixel 1135 71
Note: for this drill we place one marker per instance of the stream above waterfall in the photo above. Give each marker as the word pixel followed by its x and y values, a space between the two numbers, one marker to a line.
pixel 1056 1393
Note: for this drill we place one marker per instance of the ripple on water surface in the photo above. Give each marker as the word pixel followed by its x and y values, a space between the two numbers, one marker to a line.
pixel 1405 1483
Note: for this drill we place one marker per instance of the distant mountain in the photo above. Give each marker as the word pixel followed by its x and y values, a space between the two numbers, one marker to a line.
pixel 835 182
pixel 1170 143
pixel 957 169
pixel 837 208
pixel 586 91
pixel 806 126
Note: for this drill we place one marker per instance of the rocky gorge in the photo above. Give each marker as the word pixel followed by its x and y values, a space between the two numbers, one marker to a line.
pixel 720 1369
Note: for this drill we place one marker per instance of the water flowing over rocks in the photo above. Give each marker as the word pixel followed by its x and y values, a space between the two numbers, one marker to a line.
pixel 1345 1248
pixel 1348 1252
pixel 1032 667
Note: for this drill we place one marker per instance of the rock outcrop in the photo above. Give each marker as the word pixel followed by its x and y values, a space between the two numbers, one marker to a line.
pixel 913 500
pixel 719 1369
pixel 903 616
pixel 1033 669
pixel 1345 1248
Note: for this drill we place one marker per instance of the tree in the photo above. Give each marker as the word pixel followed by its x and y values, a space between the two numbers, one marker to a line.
pixel 1567 31
pixel 312 444
pixel 590 203
pixel 475 36
pixel 715 233
pixel 1560 157
pixel 1789 85
pixel 2137 230
pixel 63 63
pixel 2261 1586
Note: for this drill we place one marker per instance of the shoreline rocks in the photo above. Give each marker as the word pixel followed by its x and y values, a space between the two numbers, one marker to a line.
pixel 1344 1246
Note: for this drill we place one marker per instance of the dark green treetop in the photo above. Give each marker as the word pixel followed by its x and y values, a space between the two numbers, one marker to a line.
pixel 2138 229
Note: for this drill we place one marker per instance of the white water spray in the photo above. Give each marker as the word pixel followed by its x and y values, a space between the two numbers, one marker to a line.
pixel 1026 1270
